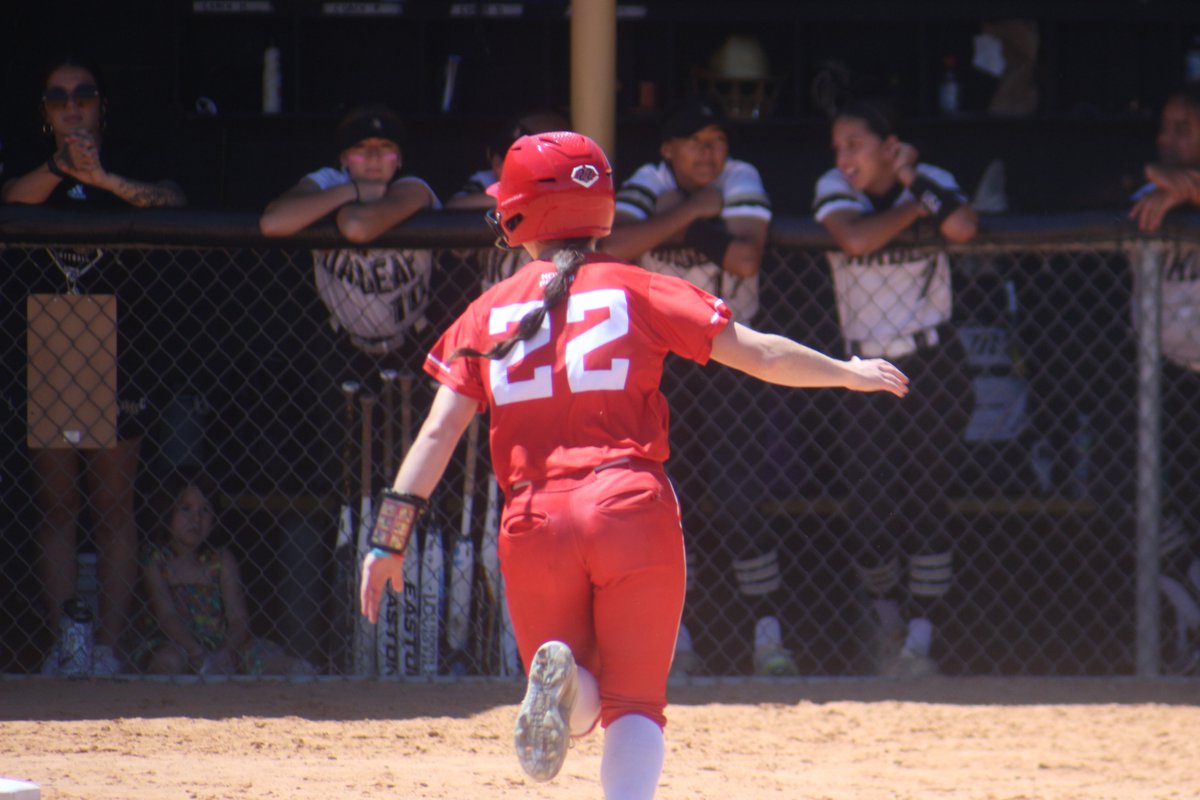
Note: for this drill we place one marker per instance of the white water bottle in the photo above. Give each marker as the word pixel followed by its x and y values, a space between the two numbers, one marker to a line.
pixel 948 89
pixel 272 82
pixel 75 638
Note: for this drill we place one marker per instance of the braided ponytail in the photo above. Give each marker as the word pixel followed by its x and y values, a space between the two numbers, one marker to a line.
pixel 567 261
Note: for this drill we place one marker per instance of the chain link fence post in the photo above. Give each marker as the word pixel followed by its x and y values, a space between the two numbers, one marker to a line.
pixel 1148 259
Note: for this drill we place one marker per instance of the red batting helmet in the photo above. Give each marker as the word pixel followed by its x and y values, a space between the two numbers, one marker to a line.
pixel 553 186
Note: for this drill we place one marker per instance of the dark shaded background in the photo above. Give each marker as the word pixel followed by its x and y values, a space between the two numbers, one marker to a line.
pixel 1105 67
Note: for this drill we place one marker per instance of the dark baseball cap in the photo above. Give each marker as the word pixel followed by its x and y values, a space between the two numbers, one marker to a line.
pixel 373 123
pixel 690 117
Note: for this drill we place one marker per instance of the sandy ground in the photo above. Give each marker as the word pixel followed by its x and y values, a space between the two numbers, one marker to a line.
pixel 979 738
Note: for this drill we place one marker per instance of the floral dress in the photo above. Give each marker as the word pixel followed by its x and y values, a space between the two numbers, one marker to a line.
pixel 199 605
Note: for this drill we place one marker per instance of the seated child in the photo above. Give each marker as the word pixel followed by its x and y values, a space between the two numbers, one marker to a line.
pixel 198 622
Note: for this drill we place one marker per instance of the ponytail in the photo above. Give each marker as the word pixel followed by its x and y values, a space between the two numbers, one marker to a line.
pixel 567 261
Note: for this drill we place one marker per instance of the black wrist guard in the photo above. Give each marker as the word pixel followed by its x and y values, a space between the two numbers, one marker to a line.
pixel 398 515
pixel 937 200
pixel 710 236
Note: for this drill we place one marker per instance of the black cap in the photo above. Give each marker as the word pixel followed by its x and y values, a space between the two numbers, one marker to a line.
pixel 373 124
pixel 690 117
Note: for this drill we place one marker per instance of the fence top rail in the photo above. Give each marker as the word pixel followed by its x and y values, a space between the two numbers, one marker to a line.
pixel 446 229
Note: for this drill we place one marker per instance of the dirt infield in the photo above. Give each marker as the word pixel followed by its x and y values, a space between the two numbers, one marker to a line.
pixel 979 738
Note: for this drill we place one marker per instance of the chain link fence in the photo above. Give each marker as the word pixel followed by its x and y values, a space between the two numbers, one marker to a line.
pixel 216 358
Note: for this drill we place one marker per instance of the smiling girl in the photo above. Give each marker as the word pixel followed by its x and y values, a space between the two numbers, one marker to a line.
pixel 896 303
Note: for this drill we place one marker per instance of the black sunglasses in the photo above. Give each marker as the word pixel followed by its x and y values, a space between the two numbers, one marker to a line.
pixel 83 95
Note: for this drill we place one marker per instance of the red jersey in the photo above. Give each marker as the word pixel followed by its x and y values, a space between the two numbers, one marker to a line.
pixel 584 390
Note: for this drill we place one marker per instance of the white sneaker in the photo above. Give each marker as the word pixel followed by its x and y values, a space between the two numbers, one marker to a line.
pixel 53 662
pixel 542 733
pixel 907 664
pixel 686 662
pixel 888 644
pixel 774 661
pixel 105 663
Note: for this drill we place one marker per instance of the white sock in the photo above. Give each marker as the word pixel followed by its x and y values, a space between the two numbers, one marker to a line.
pixel 587 703
pixel 889 614
pixel 633 758
pixel 683 642
pixel 766 633
pixel 920 636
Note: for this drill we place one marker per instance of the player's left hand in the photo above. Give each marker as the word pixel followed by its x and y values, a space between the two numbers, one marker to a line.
pixel 904 159
pixel 83 157
pixel 376 572
pixel 876 375
pixel 1149 211
pixel 1183 182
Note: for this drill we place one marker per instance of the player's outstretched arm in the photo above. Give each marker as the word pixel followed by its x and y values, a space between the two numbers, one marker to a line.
pixel 779 360
pixel 418 475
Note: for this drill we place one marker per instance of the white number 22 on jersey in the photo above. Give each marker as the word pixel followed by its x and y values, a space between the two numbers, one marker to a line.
pixel 579 377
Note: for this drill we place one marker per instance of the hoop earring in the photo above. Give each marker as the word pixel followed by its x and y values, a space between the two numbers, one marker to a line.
pixel 47 129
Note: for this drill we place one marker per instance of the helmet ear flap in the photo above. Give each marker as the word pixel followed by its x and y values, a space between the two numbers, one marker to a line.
pixel 492 217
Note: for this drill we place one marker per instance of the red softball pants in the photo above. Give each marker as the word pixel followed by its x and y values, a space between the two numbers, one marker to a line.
pixel 596 561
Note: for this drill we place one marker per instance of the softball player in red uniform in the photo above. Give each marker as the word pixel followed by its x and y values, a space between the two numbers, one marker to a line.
pixel 567 356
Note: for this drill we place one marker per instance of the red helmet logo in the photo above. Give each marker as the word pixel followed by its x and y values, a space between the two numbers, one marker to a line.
pixel 585 175
pixel 554 186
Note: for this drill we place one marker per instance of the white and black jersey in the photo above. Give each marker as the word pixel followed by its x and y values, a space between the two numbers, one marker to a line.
pixel 496 264
pixel 376 295
pixel 744 198
pixel 893 293
pixel 1180 299
pixel 477 183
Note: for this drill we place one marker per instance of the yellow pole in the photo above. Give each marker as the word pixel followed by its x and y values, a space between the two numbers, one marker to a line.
pixel 594 71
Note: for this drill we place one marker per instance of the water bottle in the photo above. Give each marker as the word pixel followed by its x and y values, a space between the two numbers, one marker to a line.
pixel 272 82
pixel 1081 449
pixel 87 586
pixel 76 638
pixel 948 89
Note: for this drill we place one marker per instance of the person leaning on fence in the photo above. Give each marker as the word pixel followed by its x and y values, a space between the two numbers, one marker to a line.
pixel 896 303
pixel 82 172
pixel 1174 182
pixel 703 216
pixel 496 264
pixel 473 193
pixel 567 358
pixel 378 297
pixel 197 619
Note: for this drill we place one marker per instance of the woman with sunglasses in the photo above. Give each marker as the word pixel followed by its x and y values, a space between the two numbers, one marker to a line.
pixel 80 173
pixel 75 174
